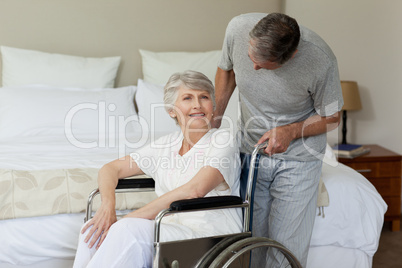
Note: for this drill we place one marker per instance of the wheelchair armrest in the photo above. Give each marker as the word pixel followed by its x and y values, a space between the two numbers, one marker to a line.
pixel 129 184
pixel 135 183
pixel 197 204
pixel 205 203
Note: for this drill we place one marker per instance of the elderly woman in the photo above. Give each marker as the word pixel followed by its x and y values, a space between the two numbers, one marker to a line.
pixel 194 162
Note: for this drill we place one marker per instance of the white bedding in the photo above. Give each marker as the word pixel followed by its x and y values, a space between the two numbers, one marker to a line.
pixel 52 152
pixel 337 257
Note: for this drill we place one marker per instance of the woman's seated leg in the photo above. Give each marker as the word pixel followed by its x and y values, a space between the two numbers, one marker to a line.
pixel 129 243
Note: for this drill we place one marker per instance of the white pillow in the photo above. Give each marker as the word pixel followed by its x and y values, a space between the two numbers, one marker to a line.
pixel 25 67
pixel 151 109
pixel 44 111
pixel 157 67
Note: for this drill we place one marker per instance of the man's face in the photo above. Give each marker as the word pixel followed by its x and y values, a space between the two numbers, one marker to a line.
pixel 264 65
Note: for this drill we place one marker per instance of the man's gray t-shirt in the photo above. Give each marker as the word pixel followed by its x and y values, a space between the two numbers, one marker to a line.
pixel 306 85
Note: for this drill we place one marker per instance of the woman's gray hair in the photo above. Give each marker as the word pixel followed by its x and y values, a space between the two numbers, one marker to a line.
pixel 190 79
pixel 275 38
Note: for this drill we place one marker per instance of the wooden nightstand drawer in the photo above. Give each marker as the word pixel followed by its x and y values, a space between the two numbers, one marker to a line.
pixel 378 169
pixel 387 186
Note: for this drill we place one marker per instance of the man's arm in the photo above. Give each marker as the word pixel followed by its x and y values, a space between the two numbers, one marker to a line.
pixel 225 84
pixel 279 138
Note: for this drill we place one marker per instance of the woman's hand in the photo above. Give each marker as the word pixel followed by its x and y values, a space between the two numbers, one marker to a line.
pixel 104 217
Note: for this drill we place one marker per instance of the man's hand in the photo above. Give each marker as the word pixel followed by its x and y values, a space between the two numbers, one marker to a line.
pixel 278 139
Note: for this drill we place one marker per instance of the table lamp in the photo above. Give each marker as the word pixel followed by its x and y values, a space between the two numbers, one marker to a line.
pixel 351 99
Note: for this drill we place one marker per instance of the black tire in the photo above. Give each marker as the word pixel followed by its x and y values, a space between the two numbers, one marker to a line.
pixel 244 246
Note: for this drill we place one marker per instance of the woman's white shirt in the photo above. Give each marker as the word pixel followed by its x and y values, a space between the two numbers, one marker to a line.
pixel 217 148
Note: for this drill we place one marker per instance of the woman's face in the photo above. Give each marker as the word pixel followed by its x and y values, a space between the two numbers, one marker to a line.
pixel 193 108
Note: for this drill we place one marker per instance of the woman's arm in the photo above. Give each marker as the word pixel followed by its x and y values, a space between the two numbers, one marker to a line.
pixel 207 179
pixel 105 216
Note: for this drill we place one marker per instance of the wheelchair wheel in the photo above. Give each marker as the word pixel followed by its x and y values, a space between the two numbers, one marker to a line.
pixel 211 255
pixel 237 255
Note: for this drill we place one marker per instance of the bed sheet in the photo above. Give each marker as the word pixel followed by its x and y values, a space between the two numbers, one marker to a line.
pixel 55 152
pixel 336 257
pixel 27 241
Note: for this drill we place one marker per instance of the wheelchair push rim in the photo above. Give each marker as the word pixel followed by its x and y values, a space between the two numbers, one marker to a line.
pixel 244 246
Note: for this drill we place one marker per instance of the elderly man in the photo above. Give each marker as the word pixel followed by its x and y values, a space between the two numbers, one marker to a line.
pixel 290 96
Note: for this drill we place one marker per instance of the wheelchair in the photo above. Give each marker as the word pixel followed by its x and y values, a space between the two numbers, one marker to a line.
pixel 230 250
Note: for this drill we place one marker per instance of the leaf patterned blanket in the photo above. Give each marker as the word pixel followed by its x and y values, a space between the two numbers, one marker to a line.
pixel 47 192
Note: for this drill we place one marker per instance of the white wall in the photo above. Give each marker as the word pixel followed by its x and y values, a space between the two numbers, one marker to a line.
pixel 366 37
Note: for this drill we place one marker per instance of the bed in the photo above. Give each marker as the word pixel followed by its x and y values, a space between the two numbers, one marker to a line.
pixel 58 126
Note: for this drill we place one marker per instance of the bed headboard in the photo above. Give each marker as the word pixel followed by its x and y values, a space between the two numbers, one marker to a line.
pixel 101 28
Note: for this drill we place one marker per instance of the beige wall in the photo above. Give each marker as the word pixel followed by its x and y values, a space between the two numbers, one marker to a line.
pixel 95 28
pixel 366 37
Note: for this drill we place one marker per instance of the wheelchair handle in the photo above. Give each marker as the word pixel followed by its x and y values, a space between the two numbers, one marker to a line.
pixel 252 168
pixel 250 180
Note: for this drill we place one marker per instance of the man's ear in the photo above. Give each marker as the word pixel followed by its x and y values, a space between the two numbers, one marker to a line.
pixel 294 53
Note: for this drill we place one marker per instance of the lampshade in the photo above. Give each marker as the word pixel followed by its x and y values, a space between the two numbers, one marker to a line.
pixel 351 97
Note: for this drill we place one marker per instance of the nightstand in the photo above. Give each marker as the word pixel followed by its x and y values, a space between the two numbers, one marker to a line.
pixel 383 169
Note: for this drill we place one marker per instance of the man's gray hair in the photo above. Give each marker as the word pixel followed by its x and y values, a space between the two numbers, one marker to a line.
pixel 275 38
pixel 192 80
